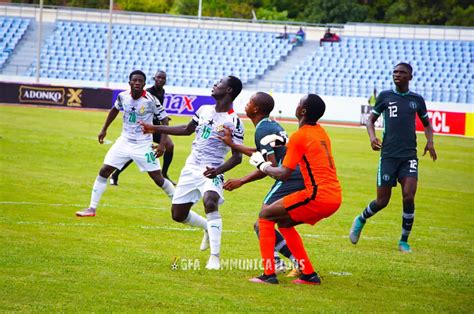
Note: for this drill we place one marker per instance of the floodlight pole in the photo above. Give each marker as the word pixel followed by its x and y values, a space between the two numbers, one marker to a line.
pixel 109 43
pixel 40 35
pixel 200 12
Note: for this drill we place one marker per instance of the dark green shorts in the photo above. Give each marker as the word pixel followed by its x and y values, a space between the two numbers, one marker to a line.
pixel 392 170
pixel 281 189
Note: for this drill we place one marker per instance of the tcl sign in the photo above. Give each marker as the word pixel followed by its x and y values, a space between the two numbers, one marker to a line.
pixel 445 122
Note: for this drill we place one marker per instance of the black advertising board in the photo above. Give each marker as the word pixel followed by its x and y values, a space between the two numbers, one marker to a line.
pixel 50 95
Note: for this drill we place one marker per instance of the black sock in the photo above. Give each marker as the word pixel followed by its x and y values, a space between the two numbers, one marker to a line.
pixel 407 221
pixel 280 245
pixel 167 158
pixel 369 211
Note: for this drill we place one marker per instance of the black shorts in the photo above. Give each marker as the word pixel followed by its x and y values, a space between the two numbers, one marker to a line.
pixel 281 189
pixel 393 169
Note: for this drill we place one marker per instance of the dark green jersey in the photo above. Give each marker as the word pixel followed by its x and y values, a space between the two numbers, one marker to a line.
pixel 399 113
pixel 266 127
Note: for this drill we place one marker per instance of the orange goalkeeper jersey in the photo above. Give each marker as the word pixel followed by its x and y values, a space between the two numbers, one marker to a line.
pixel 310 147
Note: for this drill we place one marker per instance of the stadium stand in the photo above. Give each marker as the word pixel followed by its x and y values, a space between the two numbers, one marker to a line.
pixel 443 69
pixel 192 57
pixel 12 30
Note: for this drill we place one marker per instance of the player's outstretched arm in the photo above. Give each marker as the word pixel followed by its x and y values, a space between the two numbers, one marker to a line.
pixel 184 129
pixel 233 184
pixel 227 139
pixel 280 173
pixel 110 118
pixel 429 147
pixel 230 163
pixel 375 143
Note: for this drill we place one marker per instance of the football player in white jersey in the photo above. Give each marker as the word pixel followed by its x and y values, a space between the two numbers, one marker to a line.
pixel 137 105
pixel 203 174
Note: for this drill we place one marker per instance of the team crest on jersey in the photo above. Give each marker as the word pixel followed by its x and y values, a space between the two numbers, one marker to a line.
pixel 413 105
pixel 142 110
pixel 219 128
pixel 386 177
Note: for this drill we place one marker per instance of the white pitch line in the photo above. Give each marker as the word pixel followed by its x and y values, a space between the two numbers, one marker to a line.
pixel 78 205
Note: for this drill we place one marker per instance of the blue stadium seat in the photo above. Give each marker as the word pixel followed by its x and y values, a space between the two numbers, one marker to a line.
pixel 178 46
pixel 365 63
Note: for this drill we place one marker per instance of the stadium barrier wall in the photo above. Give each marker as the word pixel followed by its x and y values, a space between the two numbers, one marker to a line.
pixel 446 118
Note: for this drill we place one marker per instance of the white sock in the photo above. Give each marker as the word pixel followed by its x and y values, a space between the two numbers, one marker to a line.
pixel 168 188
pixel 214 228
pixel 195 220
pixel 97 190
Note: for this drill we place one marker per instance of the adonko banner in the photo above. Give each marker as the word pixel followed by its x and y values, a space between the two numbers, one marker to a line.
pixel 37 94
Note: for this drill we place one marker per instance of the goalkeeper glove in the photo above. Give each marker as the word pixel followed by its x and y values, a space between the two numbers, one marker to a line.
pixel 258 161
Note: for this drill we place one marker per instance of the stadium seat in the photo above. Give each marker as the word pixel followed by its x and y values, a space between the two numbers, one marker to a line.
pixel 370 60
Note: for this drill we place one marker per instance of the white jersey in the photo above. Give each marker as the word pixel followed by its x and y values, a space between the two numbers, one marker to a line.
pixel 134 110
pixel 208 150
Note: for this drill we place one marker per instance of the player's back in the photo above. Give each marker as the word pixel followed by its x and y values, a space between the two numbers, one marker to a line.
pixel 310 146
pixel 267 127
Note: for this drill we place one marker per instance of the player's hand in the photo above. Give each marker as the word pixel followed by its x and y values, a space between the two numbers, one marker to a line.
pixel 146 128
pixel 101 136
pixel 258 161
pixel 274 140
pixel 430 148
pixel 227 136
pixel 375 143
pixel 158 149
pixel 210 172
pixel 232 184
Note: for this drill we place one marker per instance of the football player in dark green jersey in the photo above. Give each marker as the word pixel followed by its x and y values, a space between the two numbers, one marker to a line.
pixel 398 158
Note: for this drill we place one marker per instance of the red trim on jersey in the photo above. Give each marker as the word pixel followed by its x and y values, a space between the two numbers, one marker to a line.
pixel 143 93
pixel 231 111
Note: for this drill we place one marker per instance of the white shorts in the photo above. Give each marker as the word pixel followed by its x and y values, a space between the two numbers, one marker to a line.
pixel 142 154
pixel 192 185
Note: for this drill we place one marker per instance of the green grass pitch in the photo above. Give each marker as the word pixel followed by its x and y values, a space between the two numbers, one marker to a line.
pixel 51 261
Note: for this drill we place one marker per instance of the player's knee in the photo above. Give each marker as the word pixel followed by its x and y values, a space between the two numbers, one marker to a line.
pixel 255 226
pixel 169 146
pixel 106 171
pixel 264 215
pixel 177 216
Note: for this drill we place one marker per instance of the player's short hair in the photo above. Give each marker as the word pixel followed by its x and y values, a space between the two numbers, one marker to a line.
pixel 236 85
pixel 406 65
pixel 137 72
pixel 264 102
pixel 160 71
pixel 315 107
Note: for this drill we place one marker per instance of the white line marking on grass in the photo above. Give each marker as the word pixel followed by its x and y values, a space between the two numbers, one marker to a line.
pixel 79 205
pixel 340 273
pixel 106 142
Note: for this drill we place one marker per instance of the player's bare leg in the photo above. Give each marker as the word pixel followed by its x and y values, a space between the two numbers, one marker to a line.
pixel 182 213
pixel 163 183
